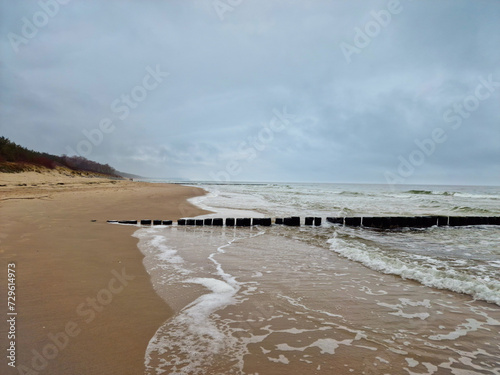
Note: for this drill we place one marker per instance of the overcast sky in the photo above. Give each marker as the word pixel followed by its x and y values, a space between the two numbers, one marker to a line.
pixel 259 90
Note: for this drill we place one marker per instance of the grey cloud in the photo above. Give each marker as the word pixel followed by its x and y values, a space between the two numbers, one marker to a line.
pixel 227 77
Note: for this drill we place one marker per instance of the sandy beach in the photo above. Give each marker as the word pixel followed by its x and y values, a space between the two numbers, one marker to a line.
pixel 93 299
pixel 84 300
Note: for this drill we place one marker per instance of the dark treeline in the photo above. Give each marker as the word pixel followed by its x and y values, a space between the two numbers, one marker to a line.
pixel 11 152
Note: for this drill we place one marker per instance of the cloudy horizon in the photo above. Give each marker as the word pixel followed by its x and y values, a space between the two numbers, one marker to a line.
pixel 329 91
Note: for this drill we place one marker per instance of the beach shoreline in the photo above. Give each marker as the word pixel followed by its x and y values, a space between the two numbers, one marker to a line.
pixel 309 300
pixel 84 301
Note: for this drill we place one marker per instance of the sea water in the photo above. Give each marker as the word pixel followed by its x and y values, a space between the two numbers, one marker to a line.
pixel 329 299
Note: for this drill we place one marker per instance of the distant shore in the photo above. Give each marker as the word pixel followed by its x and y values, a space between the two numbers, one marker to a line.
pixel 84 300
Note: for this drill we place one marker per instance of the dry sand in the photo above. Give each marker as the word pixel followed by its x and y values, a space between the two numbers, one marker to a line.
pixel 81 284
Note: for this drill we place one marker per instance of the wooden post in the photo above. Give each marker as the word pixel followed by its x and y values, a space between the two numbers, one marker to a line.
pixel 218 222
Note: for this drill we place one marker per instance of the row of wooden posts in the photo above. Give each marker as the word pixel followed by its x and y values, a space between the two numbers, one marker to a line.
pixel 295 221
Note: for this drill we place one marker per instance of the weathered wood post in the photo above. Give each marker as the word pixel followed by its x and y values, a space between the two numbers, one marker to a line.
pixel 218 222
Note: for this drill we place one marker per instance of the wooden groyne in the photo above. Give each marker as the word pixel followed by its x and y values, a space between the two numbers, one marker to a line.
pixel 414 221
pixel 378 222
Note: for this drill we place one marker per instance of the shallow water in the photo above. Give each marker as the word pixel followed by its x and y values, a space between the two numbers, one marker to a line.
pixel 329 299
pixel 270 303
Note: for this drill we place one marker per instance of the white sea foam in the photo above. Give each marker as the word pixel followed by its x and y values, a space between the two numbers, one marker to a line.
pixel 476 196
pixel 281 359
pixel 327 345
pixel 226 204
pixel 462 330
pixel 367 290
pixel 426 273
pixel 160 255
pixel 412 362
pixel 193 336
pixel 164 252
pixel 191 340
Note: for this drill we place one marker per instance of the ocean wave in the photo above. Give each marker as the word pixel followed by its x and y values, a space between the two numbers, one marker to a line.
pixel 427 273
pixel 352 193
pixel 430 192
pixel 471 209
pixel 426 192
pixel 477 196
pixel 455 194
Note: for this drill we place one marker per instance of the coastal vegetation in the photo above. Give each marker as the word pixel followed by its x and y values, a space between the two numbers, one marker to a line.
pixel 15 158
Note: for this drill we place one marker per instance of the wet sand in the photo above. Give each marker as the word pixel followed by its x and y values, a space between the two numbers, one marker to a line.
pixel 84 300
